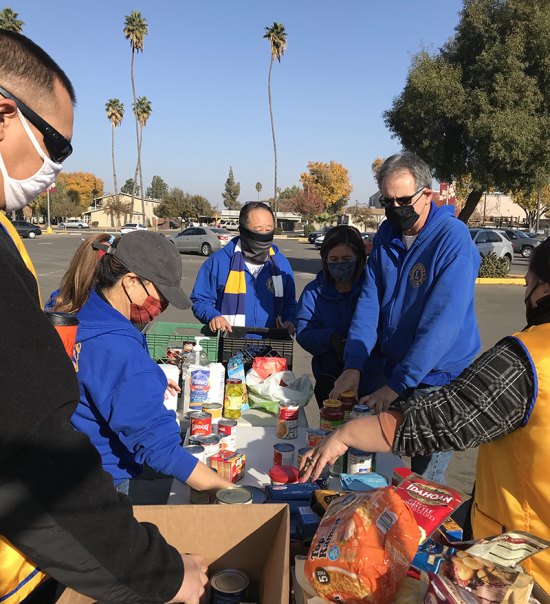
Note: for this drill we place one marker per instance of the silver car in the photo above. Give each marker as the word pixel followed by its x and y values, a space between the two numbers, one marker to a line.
pixel 201 240
pixel 493 240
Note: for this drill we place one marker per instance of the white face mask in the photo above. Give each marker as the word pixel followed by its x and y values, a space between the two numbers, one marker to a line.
pixel 19 193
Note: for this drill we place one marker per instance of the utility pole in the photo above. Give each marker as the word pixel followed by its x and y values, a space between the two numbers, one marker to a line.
pixel 537 218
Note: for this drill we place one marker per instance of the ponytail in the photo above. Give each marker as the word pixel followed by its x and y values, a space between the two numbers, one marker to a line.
pixel 88 267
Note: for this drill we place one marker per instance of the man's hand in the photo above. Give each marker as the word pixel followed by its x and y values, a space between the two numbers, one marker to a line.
pixel 349 380
pixel 194 580
pixel 290 326
pixel 219 323
pixel 327 451
pixel 380 400
pixel 172 389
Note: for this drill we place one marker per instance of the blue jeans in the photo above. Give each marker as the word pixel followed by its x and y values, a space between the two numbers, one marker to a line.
pixel 435 465
pixel 123 486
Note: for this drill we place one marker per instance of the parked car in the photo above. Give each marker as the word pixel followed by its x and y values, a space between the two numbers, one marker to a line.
pixel 368 239
pixel 229 225
pixel 74 223
pixel 521 242
pixel 202 240
pixel 318 241
pixel 492 240
pixel 132 226
pixel 313 236
pixel 26 229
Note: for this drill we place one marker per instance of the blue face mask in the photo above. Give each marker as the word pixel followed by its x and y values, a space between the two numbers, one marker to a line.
pixel 341 271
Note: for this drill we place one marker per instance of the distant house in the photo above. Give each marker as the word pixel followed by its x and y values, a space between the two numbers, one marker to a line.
pixel 105 214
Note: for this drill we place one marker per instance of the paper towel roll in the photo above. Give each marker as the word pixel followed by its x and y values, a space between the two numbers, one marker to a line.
pixel 172 373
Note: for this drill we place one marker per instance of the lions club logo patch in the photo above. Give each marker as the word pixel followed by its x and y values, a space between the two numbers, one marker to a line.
pixel 269 285
pixel 417 275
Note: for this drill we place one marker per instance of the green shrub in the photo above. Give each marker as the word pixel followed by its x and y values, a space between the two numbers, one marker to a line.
pixel 308 228
pixel 493 266
pixel 95 223
pixel 278 231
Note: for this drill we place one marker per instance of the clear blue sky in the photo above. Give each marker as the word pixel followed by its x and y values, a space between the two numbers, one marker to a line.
pixel 204 68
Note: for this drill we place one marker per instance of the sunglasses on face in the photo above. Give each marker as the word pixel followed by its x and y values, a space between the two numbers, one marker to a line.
pixel 59 148
pixel 387 202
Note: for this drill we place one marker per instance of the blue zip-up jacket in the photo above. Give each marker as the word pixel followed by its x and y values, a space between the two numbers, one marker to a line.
pixel 207 293
pixel 122 389
pixel 322 312
pixel 418 304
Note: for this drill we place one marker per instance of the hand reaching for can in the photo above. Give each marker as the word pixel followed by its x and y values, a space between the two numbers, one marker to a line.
pixel 326 452
pixel 194 580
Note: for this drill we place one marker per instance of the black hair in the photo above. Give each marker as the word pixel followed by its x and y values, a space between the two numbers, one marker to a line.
pixel 344 235
pixel 539 265
pixel 253 205
pixel 25 64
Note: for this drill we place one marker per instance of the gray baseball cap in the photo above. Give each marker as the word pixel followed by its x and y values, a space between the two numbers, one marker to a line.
pixel 153 257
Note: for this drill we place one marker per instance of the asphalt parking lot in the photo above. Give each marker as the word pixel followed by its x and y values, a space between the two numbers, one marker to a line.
pixel 499 308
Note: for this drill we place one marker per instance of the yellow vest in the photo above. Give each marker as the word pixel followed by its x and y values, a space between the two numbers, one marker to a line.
pixel 512 486
pixel 18 575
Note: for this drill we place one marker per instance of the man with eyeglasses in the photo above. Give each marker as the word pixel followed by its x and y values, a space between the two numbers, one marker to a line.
pixel 60 516
pixel 416 310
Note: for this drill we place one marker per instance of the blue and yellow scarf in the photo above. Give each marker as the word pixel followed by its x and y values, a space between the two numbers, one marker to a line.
pixel 234 296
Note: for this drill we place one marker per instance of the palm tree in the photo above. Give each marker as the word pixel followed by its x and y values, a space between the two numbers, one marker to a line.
pixel 276 35
pixel 115 114
pixel 135 30
pixel 259 189
pixel 142 111
pixel 9 21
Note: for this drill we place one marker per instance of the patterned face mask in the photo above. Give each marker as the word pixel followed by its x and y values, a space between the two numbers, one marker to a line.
pixel 341 271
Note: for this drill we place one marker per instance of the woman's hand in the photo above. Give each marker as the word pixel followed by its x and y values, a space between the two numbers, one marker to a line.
pixel 380 400
pixel 349 380
pixel 326 452
pixel 219 323
pixel 173 389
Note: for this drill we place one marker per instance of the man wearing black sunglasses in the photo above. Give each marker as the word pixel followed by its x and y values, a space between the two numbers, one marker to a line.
pixel 60 516
pixel 416 310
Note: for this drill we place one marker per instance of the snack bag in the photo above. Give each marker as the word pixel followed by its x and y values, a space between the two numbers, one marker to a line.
pixel 266 366
pixel 442 590
pixel 362 548
pixel 430 502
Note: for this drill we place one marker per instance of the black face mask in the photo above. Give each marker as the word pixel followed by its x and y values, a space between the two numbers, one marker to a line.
pixel 402 217
pixel 255 246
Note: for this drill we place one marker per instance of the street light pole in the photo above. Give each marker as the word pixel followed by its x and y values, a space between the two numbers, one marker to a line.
pixel 49 229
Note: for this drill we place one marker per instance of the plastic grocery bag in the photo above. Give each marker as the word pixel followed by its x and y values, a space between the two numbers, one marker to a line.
pixel 281 386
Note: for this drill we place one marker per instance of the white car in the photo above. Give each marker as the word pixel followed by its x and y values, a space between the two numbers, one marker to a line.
pixel 319 241
pixel 132 226
pixel 493 241
pixel 74 223
pixel 230 225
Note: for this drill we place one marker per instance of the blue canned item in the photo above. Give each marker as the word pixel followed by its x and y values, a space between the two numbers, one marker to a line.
pixel 229 586
pixel 359 411
pixel 301 453
pixel 258 495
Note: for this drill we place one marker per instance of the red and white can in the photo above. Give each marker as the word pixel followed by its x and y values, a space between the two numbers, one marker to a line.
pixel 287 421
pixel 227 431
pixel 283 454
pixel 201 423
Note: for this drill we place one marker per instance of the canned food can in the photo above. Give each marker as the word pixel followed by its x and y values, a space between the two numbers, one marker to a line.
pixel 201 423
pixel 360 462
pixel 196 451
pixel 195 440
pixel 227 431
pixel 338 467
pixel 359 411
pixel 315 436
pixel 198 497
pixel 215 409
pixel 229 586
pixel 287 421
pixel 283 454
pixel 301 453
pixel 211 444
pixel 234 495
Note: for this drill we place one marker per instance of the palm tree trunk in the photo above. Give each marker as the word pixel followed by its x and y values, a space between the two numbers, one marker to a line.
pixel 114 168
pixel 275 204
pixel 137 131
pixel 141 176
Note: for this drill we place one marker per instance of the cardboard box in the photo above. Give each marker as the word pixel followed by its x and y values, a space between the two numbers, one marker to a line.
pixel 252 538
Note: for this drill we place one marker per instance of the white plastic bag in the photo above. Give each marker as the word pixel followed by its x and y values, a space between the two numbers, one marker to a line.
pixel 269 393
